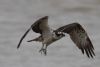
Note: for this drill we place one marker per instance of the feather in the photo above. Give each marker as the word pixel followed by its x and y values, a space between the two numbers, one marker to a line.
pixel 79 37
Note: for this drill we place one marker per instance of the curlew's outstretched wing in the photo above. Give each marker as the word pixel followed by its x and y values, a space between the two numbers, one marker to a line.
pixel 79 37
pixel 39 26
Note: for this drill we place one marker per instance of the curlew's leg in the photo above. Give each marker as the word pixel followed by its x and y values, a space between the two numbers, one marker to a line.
pixel 43 49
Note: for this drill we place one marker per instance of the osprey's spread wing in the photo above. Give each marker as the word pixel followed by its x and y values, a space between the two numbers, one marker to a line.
pixel 79 37
pixel 39 26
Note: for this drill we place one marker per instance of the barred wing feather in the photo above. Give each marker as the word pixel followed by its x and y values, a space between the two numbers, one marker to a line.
pixel 36 27
pixel 79 37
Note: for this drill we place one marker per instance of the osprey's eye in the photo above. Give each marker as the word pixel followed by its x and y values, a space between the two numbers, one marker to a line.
pixel 59 32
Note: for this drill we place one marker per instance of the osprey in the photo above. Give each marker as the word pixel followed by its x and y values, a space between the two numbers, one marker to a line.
pixel 48 36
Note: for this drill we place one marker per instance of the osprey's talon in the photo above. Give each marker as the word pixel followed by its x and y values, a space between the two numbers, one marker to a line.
pixel 44 51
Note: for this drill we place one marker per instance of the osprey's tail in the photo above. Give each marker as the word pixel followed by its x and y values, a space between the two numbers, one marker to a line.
pixel 23 37
pixel 36 39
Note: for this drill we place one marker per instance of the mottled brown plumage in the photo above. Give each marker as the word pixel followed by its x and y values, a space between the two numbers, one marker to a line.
pixel 79 37
pixel 75 30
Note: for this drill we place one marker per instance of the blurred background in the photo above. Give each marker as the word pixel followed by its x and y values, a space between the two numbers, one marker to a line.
pixel 16 16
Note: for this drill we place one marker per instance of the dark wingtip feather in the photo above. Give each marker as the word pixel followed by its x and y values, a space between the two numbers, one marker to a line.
pixel 45 17
pixel 90 53
pixel 87 53
pixel 82 50
pixel 23 37
pixel 18 46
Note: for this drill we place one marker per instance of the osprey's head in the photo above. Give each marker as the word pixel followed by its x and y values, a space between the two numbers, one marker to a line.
pixel 60 34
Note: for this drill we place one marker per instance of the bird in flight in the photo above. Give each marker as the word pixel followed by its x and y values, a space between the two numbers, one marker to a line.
pixel 47 36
